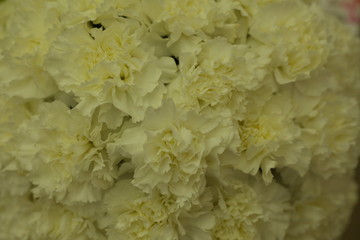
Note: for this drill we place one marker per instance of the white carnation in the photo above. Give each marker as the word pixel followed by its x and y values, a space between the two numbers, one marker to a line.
pixel 169 150
pixel 215 78
pixel 111 66
pixel 27 40
pixel 318 211
pixel 331 130
pixel 298 34
pixel 249 209
pixel 269 138
pixel 64 155
pixel 180 16
pixel 135 215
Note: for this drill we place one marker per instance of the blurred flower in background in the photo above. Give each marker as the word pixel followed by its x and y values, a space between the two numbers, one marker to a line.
pixel 346 10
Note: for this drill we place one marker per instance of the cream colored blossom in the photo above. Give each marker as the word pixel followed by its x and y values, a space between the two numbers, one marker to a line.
pixel 77 12
pixel 13 181
pixel 133 9
pixel 345 56
pixel 169 150
pixel 28 36
pixel 22 217
pixel 64 155
pixel 180 16
pixel 269 139
pixel 331 129
pixel 319 211
pixel 10 119
pixel 334 75
pixel 136 215
pixel 111 67
pixel 7 9
pixel 213 77
pixel 226 22
pixel 49 220
pixel 248 209
pixel 14 217
pixel 251 7
pixel 237 212
pixel 298 34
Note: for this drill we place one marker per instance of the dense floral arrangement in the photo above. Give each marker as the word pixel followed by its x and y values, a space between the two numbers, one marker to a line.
pixel 176 119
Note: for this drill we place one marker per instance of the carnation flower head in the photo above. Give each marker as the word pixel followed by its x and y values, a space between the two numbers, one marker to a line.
pixel 21 62
pixel 316 213
pixel 214 78
pixel 141 216
pixel 13 180
pixel 173 147
pixel 64 155
pixel 180 17
pixel 111 66
pixel 297 33
pixel 247 208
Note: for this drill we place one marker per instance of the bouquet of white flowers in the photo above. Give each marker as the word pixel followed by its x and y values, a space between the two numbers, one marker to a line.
pixel 176 119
